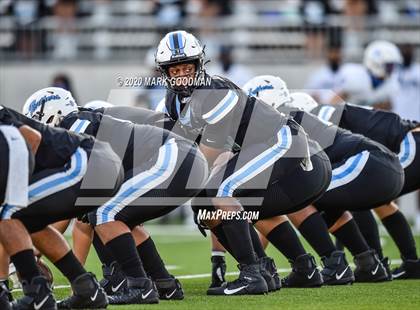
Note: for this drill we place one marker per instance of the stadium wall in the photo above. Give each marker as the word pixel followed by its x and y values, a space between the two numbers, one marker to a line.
pixel 94 81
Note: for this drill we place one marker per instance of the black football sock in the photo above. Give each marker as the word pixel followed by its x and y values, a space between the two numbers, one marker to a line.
pixel 285 239
pixel 239 239
pixel 25 264
pixel 256 242
pixel 105 256
pixel 219 232
pixel 351 237
pixel 399 230
pixel 123 248
pixel 315 231
pixel 152 262
pixel 70 266
pixel 369 229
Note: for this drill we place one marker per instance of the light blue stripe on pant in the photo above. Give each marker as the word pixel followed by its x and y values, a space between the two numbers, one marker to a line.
pixel 141 183
pixel 407 150
pixel 60 180
pixel 349 171
pixel 258 164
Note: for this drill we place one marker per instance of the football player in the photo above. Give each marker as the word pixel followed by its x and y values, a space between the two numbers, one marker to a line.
pixel 403 138
pixel 17 146
pixel 157 164
pixel 115 281
pixel 60 167
pixel 373 83
pixel 356 160
pixel 273 150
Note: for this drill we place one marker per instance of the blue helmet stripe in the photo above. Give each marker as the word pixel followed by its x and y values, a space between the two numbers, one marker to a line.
pixel 180 43
pixel 172 43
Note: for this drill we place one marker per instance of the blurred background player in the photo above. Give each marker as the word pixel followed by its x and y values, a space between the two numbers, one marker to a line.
pixel 322 81
pixel 406 101
pixel 227 67
pixel 372 83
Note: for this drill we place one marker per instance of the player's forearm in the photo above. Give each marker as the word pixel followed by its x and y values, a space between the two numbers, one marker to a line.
pixel 32 137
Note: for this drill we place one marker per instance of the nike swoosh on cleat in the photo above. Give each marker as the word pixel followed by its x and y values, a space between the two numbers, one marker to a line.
pixel 375 271
pixel 114 289
pixel 310 277
pixel 230 292
pixel 339 276
pixel 38 306
pixel 93 298
pixel 171 294
pixel 144 296
pixel 397 275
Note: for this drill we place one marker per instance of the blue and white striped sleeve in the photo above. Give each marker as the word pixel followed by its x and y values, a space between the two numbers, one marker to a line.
pixel 219 103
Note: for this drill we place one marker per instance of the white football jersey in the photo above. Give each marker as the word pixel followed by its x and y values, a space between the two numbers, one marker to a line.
pixel 321 84
pixel 355 81
pixel 406 102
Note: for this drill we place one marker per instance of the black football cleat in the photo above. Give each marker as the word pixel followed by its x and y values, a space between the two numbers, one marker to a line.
pixel 369 268
pixel 114 281
pixel 387 265
pixel 250 282
pixel 218 271
pixel 409 269
pixel 87 294
pixel 139 291
pixel 37 295
pixel 304 273
pixel 269 272
pixel 169 289
pixel 5 288
pixel 336 270
pixel 5 296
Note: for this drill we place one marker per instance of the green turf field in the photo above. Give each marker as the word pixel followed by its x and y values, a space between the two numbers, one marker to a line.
pixel 187 255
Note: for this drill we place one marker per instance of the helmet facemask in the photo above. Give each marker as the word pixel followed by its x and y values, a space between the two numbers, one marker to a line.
pixel 175 84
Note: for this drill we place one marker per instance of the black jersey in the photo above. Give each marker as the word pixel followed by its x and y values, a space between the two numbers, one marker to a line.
pixel 337 143
pixel 143 116
pixel 221 112
pixel 134 143
pixel 384 127
pixel 57 145
pixel 136 115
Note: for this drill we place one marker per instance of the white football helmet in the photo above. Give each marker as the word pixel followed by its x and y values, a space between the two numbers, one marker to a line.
pixel 49 105
pixel 179 47
pixel 303 101
pixel 381 57
pixel 268 88
pixel 97 104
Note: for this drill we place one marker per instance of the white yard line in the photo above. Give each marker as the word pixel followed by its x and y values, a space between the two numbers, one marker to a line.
pixel 234 273
pixel 208 275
